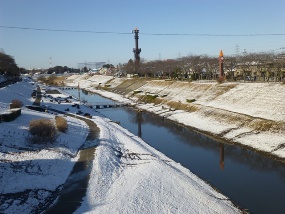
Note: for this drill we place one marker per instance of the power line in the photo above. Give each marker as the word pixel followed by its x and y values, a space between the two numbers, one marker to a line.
pixel 61 30
pixel 151 34
pixel 214 35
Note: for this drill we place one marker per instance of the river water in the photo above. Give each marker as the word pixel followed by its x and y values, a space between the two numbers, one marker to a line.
pixel 251 180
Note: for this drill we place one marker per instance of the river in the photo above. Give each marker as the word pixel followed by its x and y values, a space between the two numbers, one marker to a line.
pixel 251 180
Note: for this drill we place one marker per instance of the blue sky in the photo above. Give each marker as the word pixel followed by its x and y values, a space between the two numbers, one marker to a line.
pixel 32 48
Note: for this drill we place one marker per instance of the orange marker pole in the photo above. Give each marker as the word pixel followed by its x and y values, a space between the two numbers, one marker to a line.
pixel 221 63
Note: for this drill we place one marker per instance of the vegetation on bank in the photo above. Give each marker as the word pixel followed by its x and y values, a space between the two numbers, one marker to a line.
pixel 16 103
pixel 45 130
pixel 52 80
pixel 163 94
pixel 42 131
pixel 246 66
pixel 8 66
pixel 61 124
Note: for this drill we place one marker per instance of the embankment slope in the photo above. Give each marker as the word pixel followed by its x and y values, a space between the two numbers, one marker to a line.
pixel 250 114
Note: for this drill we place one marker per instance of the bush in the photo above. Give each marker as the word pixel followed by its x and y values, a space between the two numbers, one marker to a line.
pixel 61 124
pixel 150 98
pixel 42 79
pixel 16 104
pixel 136 92
pixel 190 100
pixel 42 130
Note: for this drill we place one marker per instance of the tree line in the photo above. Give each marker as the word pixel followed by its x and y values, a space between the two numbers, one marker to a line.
pixel 8 66
pixel 253 66
pixel 61 70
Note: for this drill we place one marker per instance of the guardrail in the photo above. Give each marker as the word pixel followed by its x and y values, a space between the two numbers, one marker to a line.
pixel 101 105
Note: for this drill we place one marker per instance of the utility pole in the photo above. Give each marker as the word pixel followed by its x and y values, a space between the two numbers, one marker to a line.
pixel 237 49
pixel 78 92
pixel 50 62
pixel 136 50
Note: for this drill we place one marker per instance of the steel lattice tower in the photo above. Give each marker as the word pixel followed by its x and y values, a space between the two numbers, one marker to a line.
pixel 136 50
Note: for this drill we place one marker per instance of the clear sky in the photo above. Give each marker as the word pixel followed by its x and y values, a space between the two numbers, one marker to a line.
pixel 211 25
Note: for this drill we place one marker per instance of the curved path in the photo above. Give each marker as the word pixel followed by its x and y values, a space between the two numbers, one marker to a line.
pixel 75 187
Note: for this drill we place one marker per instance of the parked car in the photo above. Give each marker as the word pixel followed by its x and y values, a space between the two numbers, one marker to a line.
pixel 46 106
pixel 87 115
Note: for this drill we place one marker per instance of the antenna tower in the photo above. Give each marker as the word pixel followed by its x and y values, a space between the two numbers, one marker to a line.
pixel 237 49
pixel 136 50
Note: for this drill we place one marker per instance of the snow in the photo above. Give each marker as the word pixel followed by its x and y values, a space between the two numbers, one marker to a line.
pixel 31 159
pixel 263 100
pixel 128 176
pixel 228 110
pixel 27 167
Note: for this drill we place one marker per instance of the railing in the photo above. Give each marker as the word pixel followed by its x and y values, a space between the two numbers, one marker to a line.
pixel 100 105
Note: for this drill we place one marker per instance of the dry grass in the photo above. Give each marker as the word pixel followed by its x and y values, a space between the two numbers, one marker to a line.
pixel 61 124
pixel 223 88
pixel 221 80
pixel 190 100
pixel 158 101
pixel 244 120
pixel 60 81
pixel 42 130
pixel 16 103
pixel 53 80
pixel 149 98
pixel 266 125
pixel 136 92
pixel 183 106
pixel 225 116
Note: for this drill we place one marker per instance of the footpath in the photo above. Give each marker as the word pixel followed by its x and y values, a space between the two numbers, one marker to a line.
pixel 69 198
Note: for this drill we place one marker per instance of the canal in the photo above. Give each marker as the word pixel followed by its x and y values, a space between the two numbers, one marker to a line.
pixel 251 180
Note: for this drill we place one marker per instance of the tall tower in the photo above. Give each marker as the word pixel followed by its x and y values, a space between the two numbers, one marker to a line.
pixel 50 62
pixel 221 64
pixel 136 50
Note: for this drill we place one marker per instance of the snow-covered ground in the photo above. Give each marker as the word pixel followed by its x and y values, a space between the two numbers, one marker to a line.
pixel 33 170
pixel 251 114
pixel 128 176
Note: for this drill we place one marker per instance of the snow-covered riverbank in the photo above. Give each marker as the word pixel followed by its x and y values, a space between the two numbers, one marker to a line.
pixel 30 173
pixel 128 176
pixel 250 114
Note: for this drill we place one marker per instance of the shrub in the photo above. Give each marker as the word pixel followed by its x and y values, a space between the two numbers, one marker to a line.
pixel 16 104
pixel 136 92
pixel 42 79
pixel 61 124
pixel 190 100
pixel 150 98
pixel 42 130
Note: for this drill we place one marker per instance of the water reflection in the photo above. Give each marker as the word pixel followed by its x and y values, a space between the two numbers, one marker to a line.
pixel 222 156
pixel 139 121
pixel 250 179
